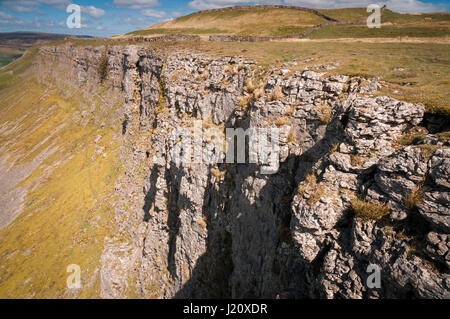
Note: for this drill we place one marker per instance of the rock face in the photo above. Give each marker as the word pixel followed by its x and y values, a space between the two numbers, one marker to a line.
pixel 198 230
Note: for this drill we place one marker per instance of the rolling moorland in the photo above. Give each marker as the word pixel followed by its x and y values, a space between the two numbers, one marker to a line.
pixel 86 175
pixel 14 44
pixel 278 22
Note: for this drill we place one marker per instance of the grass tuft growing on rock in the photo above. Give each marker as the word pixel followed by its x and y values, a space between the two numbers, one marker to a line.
pixel 414 199
pixel 325 113
pixel 103 67
pixel 428 151
pixel 368 210
pixel 414 136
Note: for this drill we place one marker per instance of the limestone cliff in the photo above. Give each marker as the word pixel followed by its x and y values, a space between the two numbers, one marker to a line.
pixel 347 194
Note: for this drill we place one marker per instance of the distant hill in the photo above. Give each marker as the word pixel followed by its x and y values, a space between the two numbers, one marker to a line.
pixel 13 44
pixel 284 21
pixel 21 40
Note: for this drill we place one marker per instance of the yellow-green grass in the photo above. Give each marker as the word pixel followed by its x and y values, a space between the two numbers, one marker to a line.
pixel 7 55
pixel 354 14
pixel 11 73
pixel 386 31
pixel 257 22
pixel 284 22
pixel 67 213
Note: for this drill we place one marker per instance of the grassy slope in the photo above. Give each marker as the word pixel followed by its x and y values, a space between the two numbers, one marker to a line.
pixel 282 22
pixel 66 214
pixel 7 55
pixel 261 22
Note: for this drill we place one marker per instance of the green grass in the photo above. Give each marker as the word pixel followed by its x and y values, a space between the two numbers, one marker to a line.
pixel 352 14
pixel 257 22
pixel 10 74
pixel 362 31
pixel 284 22
pixel 7 60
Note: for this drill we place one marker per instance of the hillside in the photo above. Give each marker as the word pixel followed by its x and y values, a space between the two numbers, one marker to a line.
pixel 278 21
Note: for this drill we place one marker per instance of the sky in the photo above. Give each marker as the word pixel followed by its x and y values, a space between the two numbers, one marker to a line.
pixel 111 17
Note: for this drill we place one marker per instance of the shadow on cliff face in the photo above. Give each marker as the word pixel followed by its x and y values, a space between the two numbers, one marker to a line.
pixel 249 249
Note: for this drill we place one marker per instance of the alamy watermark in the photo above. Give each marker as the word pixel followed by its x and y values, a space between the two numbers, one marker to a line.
pixel 212 146
pixel 374 20
pixel 374 279
pixel 74 279
pixel 74 19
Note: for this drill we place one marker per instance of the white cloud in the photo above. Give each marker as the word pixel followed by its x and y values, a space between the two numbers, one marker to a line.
pixel 136 4
pixel 59 4
pixel 9 19
pixel 94 12
pixel 134 22
pixel 153 13
pixel 32 5
pixel 5 16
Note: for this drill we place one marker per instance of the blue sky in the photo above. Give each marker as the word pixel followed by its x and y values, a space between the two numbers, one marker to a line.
pixel 109 17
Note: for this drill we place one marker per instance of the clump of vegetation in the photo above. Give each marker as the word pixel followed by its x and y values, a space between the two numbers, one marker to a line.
pixel 325 113
pixel 282 121
pixel 413 200
pixel 258 93
pixel 334 148
pixel 319 191
pixel 368 210
pixel 309 183
pixel 357 160
pixel 277 94
pixel 201 77
pixel 291 110
pixel 218 174
pixel 428 151
pixel 444 136
pixel 162 105
pixel 103 66
pixel 414 136
pixel 292 137
pixel 316 190
pixel 202 222
pixel 245 101
pixel 175 76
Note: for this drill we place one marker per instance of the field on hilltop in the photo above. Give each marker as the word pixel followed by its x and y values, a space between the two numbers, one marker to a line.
pixel 280 22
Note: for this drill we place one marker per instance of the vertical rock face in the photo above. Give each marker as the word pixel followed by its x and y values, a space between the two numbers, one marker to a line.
pixel 226 230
